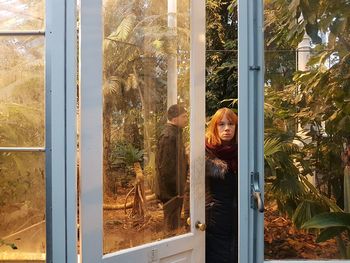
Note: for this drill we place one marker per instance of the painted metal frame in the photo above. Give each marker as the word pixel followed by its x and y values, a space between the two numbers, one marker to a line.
pixel 251 126
pixel 22 149
pixel 55 131
pixel 91 127
pixel 71 129
pixel 60 144
pixel 60 130
pixel 91 140
pixel 22 33
pixel 251 130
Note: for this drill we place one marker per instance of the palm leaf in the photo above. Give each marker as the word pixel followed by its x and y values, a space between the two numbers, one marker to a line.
pixel 330 233
pixel 326 220
pixel 305 211
pixel 125 27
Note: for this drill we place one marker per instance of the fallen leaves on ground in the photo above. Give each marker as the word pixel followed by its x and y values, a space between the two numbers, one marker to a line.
pixel 284 241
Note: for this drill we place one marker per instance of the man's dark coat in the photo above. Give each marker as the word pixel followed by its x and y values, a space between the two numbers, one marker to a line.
pixel 171 163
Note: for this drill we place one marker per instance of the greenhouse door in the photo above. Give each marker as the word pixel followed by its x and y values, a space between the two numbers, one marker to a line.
pixel 137 58
pixel 286 89
pixel 37 149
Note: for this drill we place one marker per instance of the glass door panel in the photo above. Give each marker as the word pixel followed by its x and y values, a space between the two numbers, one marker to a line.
pixel 22 206
pixel 22 132
pixel 22 15
pixel 142 117
pixel 22 93
pixel 306 132
pixel 146 66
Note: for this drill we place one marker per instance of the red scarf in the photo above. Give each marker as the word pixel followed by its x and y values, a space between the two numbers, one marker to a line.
pixel 227 153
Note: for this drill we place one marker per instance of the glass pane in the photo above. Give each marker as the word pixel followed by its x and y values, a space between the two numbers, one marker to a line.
pixel 22 111
pixel 146 70
pixel 22 206
pixel 22 14
pixel 306 131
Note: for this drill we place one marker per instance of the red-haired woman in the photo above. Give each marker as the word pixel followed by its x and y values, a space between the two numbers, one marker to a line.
pixel 221 187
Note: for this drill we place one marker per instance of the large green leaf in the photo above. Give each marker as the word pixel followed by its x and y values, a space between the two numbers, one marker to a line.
pixel 332 219
pixel 306 210
pixel 329 233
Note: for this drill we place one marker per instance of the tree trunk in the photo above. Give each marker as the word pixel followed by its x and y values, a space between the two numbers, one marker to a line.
pixel 128 204
pixel 139 207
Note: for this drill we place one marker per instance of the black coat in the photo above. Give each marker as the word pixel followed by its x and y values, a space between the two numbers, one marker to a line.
pixel 221 211
pixel 171 164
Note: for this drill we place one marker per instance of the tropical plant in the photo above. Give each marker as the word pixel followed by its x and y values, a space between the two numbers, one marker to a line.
pixel 286 182
pixel 137 44
pixel 221 55
pixel 318 98
pixel 333 225
pixel 22 116
pixel 124 154
pixel 22 120
pixel 309 109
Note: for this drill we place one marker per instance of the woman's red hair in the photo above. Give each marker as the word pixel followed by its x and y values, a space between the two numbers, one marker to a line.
pixel 212 134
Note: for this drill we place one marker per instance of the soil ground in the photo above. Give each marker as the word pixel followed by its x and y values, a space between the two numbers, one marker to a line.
pixel 122 231
pixel 282 239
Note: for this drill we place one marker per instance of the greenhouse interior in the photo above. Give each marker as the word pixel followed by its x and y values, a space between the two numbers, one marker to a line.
pixel 87 90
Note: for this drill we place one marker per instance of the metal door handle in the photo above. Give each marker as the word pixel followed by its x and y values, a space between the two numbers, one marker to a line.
pixel 201 226
pixel 259 201
pixel 256 201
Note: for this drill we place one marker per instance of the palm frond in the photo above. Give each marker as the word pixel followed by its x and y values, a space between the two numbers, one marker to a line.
pixel 124 29
pixel 306 210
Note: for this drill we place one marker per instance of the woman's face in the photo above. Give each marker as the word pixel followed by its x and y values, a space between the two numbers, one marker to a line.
pixel 226 129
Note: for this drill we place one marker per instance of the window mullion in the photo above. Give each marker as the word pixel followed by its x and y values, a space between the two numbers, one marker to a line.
pixel 22 33
pixel 22 149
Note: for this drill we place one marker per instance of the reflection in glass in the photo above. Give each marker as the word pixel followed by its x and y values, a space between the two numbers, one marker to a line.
pixel 22 91
pixel 22 206
pixel 306 132
pixel 22 14
pixel 146 69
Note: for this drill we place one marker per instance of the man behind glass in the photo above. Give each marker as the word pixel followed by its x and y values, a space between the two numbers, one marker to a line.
pixel 171 166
